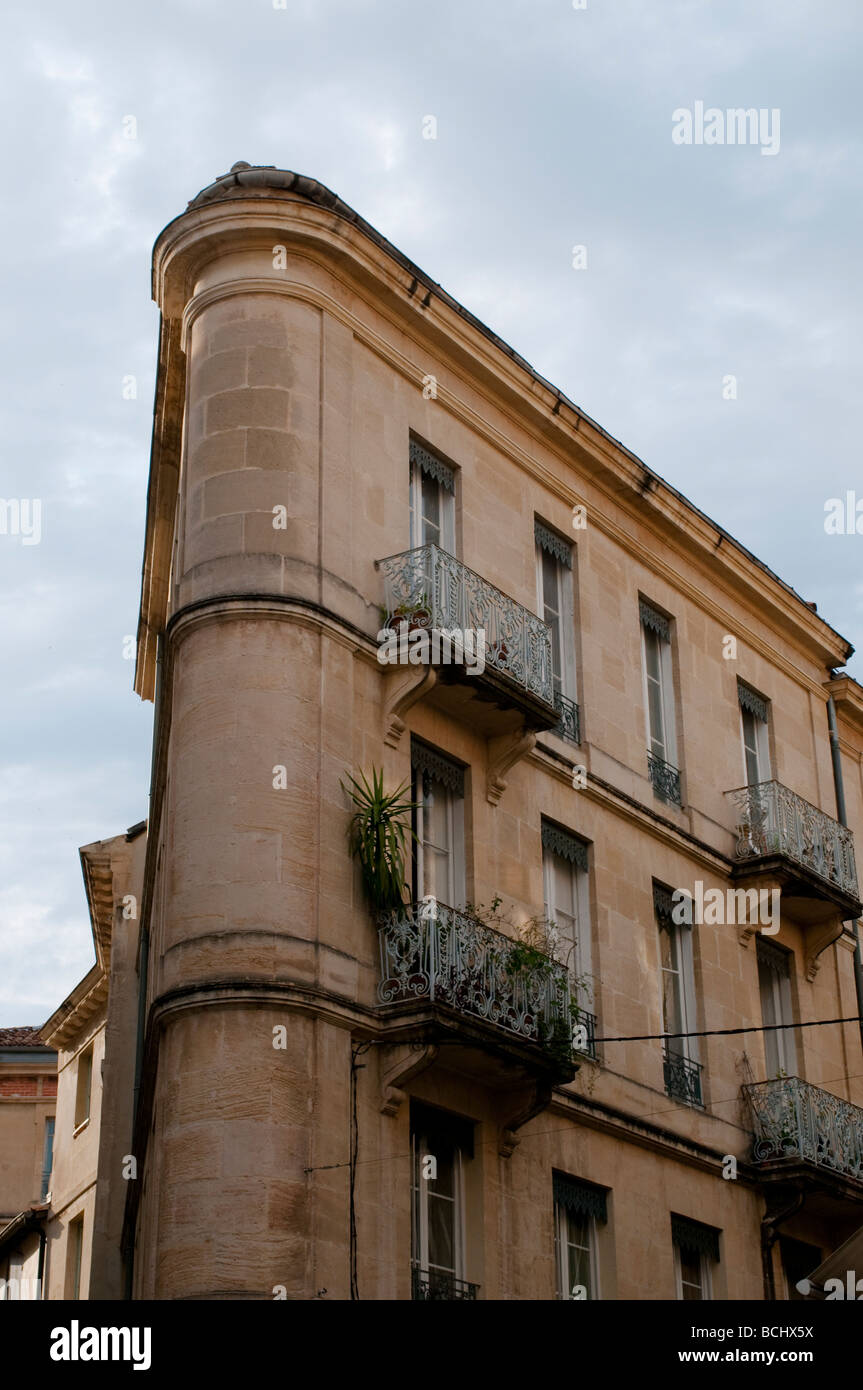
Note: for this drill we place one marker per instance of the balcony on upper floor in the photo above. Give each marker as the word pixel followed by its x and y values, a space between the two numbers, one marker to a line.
pixel 448 977
pixel 809 855
pixel 805 1137
pixel 499 680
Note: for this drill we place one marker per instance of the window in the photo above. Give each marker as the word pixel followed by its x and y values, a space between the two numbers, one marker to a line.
pixel 754 728
pixel 555 607
pixel 658 681
pixel 774 983
pixel 578 1206
pixel 441 1145
pixel 74 1256
pixel 82 1094
pixel 696 1250
pixel 47 1158
pixel 567 905
pixel 438 787
pixel 677 981
pixel 432 500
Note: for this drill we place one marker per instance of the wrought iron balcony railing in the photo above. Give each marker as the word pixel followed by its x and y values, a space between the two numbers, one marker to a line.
pixel 432 952
pixel 682 1077
pixel 664 779
pixel 435 1285
pixel 569 724
pixel 449 596
pixel 794 1120
pixel 771 819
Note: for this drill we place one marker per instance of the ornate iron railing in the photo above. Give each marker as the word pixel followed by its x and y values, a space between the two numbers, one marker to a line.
pixel 682 1077
pixel 431 582
pixel 792 1119
pixel 771 819
pixel 435 1285
pixel 430 951
pixel 569 724
pixel 664 779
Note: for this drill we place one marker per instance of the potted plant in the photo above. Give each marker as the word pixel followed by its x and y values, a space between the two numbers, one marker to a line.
pixel 412 615
pixel 379 836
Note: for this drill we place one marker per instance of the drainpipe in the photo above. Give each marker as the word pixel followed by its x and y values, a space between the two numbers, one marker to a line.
pixel 43 1241
pixel 843 820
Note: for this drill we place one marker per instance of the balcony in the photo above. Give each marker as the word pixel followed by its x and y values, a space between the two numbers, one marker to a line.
pixel 808 853
pixel 801 1131
pixel 462 981
pixel 436 1286
pixel 429 590
pixel 682 1078
pixel 569 719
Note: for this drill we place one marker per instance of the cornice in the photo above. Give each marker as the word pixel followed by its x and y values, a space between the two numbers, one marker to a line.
pixel 84 1001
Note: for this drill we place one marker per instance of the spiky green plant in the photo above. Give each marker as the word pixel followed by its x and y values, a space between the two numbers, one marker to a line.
pixel 379 838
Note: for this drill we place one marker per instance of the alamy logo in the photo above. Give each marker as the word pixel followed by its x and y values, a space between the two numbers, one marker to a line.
pixel 76 1343
pixel 732 907
pixel 21 516
pixel 436 646
pixel 737 126
pixel 834 1289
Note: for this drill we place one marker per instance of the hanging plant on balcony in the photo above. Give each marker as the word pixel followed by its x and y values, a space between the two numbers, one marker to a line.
pixel 413 615
pixel 379 836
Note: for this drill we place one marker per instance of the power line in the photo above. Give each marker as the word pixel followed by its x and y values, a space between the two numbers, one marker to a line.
pixel 730 1032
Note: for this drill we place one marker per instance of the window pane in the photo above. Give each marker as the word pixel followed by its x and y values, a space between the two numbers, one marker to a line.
pixel 431 510
pixel 441 1216
pixel 690 1275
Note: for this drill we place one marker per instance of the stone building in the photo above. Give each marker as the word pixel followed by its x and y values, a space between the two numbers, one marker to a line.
pixel 330 1107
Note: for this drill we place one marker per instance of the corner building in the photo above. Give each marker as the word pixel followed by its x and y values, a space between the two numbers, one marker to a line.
pixel 338 444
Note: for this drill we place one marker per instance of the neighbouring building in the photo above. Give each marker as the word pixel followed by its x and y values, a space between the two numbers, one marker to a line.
pixel 94 1032
pixel 655 741
pixel 28 1099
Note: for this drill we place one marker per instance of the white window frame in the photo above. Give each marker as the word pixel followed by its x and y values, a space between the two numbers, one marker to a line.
pixel 456 887
pixel 578 960
pixel 681 938
pixel 776 985
pixel 561 1246
pixel 446 504
pixel 706 1275
pixel 761 749
pixel 666 697
pixel 564 605
pixel 421 1145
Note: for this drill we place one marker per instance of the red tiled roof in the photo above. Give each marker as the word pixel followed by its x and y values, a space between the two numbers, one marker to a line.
pixel 19 1037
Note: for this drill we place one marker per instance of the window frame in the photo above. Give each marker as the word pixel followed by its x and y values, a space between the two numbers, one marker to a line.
pixel 565 610
pixel 446 506
pixel 85 1057
pixel 422 1144
pixel 774 976
pixel 665 667
pixel 705 1263
pixel 562 1244
pixel 579 959
pixel 760 747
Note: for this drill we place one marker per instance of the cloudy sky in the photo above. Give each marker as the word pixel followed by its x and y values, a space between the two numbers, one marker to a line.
pixel 554 130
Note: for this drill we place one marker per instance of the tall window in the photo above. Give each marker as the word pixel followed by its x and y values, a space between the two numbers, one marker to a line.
pixel 441 1145
pixel 83 1085
pixel 754 728
pixel 774 983
pixel 432 500
pixel 658 680
pixel 74 1257
pixel 555 607
pixel 567 904
pixel 47 1158
pixel 578 1206
pixel 438 787
pixel 696 1252
pixel 677 983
